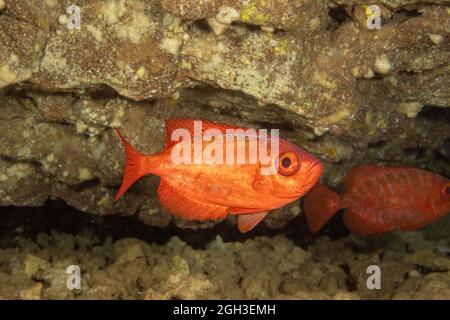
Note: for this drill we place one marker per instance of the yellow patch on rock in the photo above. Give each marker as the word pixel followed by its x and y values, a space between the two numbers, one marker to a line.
pixel 7 75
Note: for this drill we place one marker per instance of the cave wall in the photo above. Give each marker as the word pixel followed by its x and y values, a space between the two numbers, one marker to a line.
pixel 312 68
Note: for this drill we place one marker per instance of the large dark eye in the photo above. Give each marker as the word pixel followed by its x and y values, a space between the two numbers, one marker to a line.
pixel 446 190
pixel 286 162
pixel 289 163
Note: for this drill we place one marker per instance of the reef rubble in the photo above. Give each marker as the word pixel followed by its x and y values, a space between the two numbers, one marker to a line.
pixel 412 265
pixel 345 92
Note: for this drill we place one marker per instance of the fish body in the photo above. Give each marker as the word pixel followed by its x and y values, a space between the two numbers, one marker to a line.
pixel 202 189
pixel 380 199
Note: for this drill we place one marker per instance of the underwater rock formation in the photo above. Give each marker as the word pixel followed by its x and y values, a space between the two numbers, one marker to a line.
pixel 311 68
pixel 259 268
pixel 122 258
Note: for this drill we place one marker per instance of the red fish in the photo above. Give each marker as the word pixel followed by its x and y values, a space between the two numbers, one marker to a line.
pixel 202 191
pixel 380 199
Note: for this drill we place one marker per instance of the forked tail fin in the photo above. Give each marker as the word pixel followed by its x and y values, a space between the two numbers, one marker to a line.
pixel 134 168
pixel 320 204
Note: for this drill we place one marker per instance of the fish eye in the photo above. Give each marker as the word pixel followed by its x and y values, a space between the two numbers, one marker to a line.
pixel 286 162
pixel 289 164
pixel 446 190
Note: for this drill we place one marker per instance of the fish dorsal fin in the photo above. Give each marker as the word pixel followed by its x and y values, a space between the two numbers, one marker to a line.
pixel 360 173
pixel 247 222
pixel 185 207
pixel 188 124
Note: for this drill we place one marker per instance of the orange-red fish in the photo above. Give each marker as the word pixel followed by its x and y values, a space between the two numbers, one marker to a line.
pixel 380 199
pixel 201 191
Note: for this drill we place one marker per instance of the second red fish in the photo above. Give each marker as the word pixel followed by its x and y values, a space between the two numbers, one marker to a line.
pixel 380 199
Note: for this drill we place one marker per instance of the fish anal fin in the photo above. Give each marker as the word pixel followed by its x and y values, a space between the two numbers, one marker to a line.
pixel 187 208
pixel 412 220
pixel 363 224
pixel 413 227
pixel 247 222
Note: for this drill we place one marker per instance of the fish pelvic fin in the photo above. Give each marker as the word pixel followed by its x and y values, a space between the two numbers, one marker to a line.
pixel 135 167
pixel 247 222
pixel 320 205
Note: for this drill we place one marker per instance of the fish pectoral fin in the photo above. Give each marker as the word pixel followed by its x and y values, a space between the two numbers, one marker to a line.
pixel 247 222
pixel 187 208
pixel 233 210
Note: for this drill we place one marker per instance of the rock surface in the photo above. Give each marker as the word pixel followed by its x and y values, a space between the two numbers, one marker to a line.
pixel 412 267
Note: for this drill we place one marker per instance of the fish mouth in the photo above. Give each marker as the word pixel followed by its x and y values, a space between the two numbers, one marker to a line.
pixel 315 171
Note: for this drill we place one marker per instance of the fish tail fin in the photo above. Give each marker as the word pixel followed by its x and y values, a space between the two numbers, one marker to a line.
pixel 134 168
pixel 320 205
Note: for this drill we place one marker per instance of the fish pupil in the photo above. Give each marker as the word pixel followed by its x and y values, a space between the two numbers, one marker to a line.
pixel 286 162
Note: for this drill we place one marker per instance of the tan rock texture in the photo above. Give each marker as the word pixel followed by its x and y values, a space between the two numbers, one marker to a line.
pixel 412 266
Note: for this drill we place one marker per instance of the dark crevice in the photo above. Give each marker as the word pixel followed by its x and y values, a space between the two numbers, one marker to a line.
pixel 350 282
pixel 339 16
pixel 426 270
pixel 377 144
pixel 252 27
pixel 437 114
pixel 377 76
pixel 56 215
pixel 202 25
pixel 413 13
pixel 444 150
pixel 416 152
pixel 403 15
pixel 85 185
pixel 409 13
pixel 407 72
